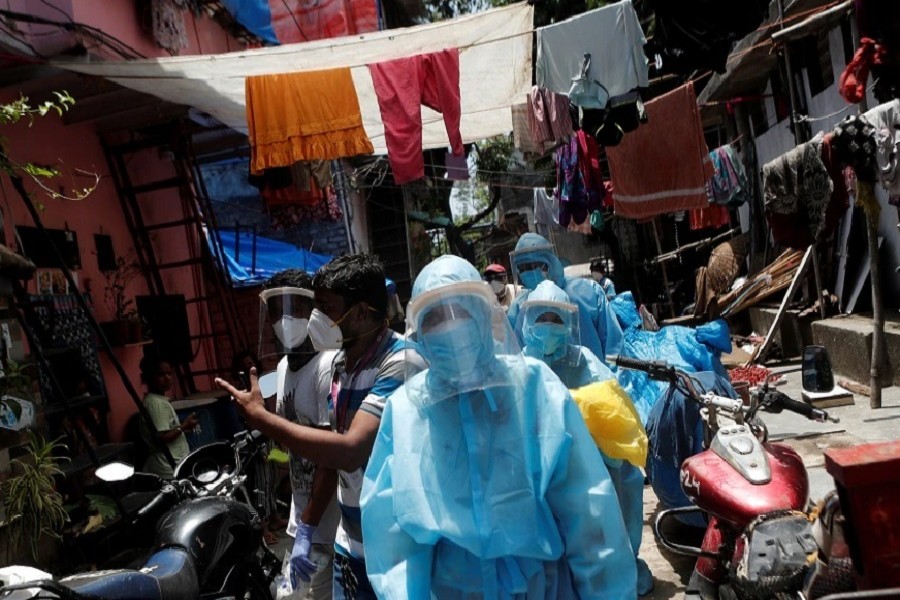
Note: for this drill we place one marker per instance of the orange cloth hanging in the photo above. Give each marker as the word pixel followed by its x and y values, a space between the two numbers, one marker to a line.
pixel 311 115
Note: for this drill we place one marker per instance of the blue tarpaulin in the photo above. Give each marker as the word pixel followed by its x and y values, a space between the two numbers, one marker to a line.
pixel 255 16
pixel 272 256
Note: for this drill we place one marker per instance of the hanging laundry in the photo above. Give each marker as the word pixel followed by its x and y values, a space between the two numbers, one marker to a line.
pixel 697 35
pixel 729 186
pixel 546 212
pixel 886 120
pixel 584 228
pixel 311 115
pixel 854 145
pixel 612 35
pixel 548 117
pixel 457 167
pixel 522 138
pixel 292 196
pixel 714 216
pixel 663 166
pixel 840 197
pixel 327 208
pixel 316 170
pixel 797 189
pixel 402 87
pixel 579 186
pixel 622 115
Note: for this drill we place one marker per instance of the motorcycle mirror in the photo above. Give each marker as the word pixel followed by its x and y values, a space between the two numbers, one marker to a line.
pixel 114 471
pixel 268 384
pixel 817 373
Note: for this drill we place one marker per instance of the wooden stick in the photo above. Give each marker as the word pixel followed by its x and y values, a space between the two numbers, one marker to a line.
pixel 856 388
pixel 665 273
pixel 760 353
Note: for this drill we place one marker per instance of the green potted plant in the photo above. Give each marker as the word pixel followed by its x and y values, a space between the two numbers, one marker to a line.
pixel 125 328
pixel 34 508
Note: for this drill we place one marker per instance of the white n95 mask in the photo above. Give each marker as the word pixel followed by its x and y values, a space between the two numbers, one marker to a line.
pixel 291 331
pixel 324 333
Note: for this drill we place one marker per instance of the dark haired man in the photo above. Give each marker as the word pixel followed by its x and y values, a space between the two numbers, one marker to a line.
pixel 351 303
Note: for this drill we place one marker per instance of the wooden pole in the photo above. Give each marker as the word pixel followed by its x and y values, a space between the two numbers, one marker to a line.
pixel 877 311
pixel 665 272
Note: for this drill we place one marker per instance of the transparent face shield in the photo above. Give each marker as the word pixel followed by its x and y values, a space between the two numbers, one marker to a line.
pixel 550 331
pixel 284 321
pixel 530 267
pixel 464 336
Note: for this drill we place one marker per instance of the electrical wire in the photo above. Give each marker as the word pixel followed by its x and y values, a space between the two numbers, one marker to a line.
pixel 296 22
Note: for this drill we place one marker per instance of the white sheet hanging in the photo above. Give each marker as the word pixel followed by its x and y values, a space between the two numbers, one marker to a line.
pixel 494 55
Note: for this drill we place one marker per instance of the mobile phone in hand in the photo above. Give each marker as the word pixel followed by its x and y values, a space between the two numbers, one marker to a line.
pixel 245 379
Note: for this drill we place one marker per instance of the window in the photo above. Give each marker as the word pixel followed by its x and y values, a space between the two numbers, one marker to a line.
pixel 815 54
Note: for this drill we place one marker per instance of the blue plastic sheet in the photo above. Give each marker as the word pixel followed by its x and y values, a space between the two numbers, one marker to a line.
pixel 272 256
pixel 691 350
pixel 255 16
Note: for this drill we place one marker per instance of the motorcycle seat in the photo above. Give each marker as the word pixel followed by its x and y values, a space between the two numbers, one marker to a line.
pixel 168 575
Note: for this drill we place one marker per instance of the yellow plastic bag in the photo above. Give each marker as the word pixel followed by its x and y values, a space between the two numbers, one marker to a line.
pixel 614 423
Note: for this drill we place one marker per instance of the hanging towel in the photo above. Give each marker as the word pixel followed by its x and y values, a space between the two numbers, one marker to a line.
pixel 886 120
pixel 311 115
pixel 402 87
pixel 522 138
pixel 663 166
pixel 611 35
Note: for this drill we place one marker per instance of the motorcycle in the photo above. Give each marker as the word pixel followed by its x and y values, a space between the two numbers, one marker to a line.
pixel 753 493
pixel 208 540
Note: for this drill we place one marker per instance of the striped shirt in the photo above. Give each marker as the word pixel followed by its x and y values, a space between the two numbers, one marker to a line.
pixel 364 389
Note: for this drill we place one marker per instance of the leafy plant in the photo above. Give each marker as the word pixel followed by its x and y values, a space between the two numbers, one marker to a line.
pixel 19 110
pixel 33 506
pixel 117 282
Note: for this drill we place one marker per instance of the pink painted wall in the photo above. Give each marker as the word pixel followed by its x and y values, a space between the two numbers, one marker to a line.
pixel 48 141
pixel 119 19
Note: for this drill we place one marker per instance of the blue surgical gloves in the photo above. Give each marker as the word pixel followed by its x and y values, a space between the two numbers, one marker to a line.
pixel 302 568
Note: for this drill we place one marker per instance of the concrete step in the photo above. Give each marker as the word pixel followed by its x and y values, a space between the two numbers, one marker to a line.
pixel 848 339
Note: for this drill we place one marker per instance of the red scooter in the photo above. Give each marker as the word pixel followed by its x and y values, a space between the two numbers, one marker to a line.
pixel 759 540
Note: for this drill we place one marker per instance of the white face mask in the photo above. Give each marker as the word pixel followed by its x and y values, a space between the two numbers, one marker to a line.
pixel 498 287
pixel 324 333
pixel 291 331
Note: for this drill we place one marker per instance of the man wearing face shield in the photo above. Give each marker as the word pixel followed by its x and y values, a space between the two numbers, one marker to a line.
pixel 304 384
pixel 484 481
pixel 350 316
pixel 496 277
pixel 550 330
pixel 534 261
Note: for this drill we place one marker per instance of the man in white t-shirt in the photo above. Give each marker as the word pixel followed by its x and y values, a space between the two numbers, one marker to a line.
pixel 302 397
pixel 350 316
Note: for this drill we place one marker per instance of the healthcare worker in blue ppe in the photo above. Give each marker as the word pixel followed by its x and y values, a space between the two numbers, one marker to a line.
pixel 484 481
pixel 534 261
pixel 550 330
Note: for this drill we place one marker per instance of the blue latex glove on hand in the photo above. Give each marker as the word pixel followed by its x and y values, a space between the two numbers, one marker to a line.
pixel 301 566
